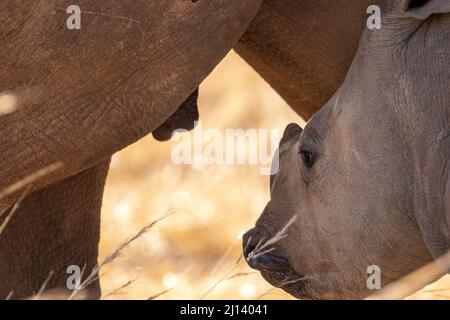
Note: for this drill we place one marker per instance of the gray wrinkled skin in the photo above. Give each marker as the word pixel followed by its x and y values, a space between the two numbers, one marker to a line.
pixel 376 191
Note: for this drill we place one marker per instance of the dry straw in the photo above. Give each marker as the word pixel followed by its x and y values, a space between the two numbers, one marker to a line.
pixel 414 281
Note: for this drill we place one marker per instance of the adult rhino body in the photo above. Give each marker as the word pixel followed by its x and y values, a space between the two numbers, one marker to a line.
pixel 79 96
pixel 303 49
pixel 366 184
pixel 84 94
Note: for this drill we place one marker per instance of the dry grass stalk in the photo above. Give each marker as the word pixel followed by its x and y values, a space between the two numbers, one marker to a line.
pixel 278 291
pixel 14 209
pixel 29 180
pixel 414 281
pixel 444 296
pixel 266 293
pixel 43 287
pixel 260 249
pixel 222 259
pixel 118 290
pixel 227 277
pixel 93 276
pixel 238 262
pixel 435 290
pixel 159 294
pixel 263 246
pixel 240 274
pixel 287 281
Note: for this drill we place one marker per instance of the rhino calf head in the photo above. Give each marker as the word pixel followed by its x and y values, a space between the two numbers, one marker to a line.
pixel 367 181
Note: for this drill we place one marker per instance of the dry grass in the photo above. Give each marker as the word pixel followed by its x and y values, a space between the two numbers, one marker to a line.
pixel 29 180
pixel 95 272
pixel 266 245
pixel 417 280
pixel 13 209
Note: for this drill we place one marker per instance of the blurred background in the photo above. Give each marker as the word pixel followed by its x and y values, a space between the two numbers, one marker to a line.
pixel 196 252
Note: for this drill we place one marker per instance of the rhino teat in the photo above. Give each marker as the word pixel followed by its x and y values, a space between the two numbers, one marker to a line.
pixel 184 118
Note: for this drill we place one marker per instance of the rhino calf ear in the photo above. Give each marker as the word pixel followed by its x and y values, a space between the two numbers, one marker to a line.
pixel 422 9
pixel 292 130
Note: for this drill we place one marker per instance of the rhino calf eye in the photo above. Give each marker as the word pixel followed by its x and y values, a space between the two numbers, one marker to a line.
pixel 307 157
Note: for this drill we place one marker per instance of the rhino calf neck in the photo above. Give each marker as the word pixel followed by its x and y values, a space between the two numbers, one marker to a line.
pixel 368 177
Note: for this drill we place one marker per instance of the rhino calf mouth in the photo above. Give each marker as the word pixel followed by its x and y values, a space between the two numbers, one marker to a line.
pixel 272 264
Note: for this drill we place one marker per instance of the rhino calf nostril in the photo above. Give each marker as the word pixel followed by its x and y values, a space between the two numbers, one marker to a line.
pixel 251 241
pixel 256 252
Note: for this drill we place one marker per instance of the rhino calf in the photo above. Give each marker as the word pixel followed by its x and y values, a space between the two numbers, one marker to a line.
pixel 366 183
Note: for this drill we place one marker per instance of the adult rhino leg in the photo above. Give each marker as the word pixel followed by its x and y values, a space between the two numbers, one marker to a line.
pixel 54 228
pixel 303 49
